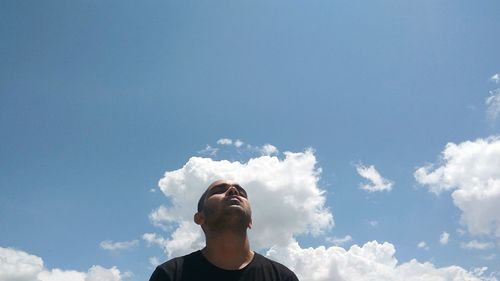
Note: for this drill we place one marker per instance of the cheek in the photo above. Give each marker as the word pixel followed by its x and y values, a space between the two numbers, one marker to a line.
pixel 210 205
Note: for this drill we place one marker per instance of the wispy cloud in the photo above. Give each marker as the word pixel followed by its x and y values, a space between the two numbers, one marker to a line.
pixel 495 78
pixel 477 245
pixel 423 245
pixel 493 101
pixel 238 143
pixel 493 104
pixel 154 262
pixel 337 241
pixel 444 238
pixel 264 150
pixel 489 257
pixel 225 141
pixel 114 246
pixel 377 182
pixel 154 239
pixel 208 150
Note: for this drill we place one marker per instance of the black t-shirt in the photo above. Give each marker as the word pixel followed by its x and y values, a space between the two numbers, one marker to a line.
pixel 195 267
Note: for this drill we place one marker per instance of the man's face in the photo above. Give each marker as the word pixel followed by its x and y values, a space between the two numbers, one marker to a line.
pixel 226 202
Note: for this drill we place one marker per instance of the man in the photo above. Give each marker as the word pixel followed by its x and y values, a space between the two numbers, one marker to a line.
pixel 224 215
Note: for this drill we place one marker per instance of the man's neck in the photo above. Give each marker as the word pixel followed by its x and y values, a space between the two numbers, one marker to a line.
pixel 228 250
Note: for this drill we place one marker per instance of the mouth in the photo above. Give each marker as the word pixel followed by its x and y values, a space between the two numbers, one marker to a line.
pixel 234 199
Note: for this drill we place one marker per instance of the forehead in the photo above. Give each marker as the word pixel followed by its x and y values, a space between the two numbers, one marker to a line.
pixel 221 182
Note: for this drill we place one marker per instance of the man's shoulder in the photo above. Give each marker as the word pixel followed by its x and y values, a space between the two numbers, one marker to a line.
pixel 179 261
pixel 173 268
pixel 266 261
pixel 276 266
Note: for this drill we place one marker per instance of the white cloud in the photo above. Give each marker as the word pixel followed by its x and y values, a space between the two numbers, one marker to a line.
pixel 339 241
pixel 266 149
pixel 371 262
pixel 154 262
pixel 471 170
pixel 495 78
pixel 225 141
pixel 269 149
pixel 99 273
pixel 377 182
pixel 373 223
pixel 208 150
pixel 444 238
pixel 489 257
pixel 161 217
pixel 476 245
pixel 282 192
pixel 154 239
pixel 238 143
pixel 461 232
pixel 61 275
pixel 17 265
pixel 422 245
pixel 114 246
pixel 493 103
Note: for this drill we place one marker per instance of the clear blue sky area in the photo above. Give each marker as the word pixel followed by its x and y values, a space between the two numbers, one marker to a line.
pixel 99 98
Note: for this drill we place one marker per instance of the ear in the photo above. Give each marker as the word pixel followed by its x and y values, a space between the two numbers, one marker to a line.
pixel 250 224
pixel 199 218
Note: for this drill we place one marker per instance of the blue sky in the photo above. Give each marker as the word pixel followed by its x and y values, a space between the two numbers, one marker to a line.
pixel 98 99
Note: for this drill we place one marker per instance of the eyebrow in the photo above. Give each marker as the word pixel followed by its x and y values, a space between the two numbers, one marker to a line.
pixel 227 185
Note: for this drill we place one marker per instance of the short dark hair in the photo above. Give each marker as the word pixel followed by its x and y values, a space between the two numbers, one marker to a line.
pixel 201 202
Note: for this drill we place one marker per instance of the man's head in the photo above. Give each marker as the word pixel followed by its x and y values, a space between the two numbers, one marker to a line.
pixel 224 204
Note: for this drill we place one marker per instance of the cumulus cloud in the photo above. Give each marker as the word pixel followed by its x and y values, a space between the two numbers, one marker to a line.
pixel 371 262
pixel 377 182
pixel 493 104
pixel 444 238
pixel 282 192
pixel 99 273
pixel 17 265
pixel 471 171
pixel 476 245
pixel 115 246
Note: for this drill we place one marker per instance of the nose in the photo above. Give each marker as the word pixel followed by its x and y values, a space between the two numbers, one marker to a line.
pixel 232 190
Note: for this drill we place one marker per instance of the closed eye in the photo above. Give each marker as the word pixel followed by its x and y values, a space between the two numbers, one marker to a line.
pixel 221 188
